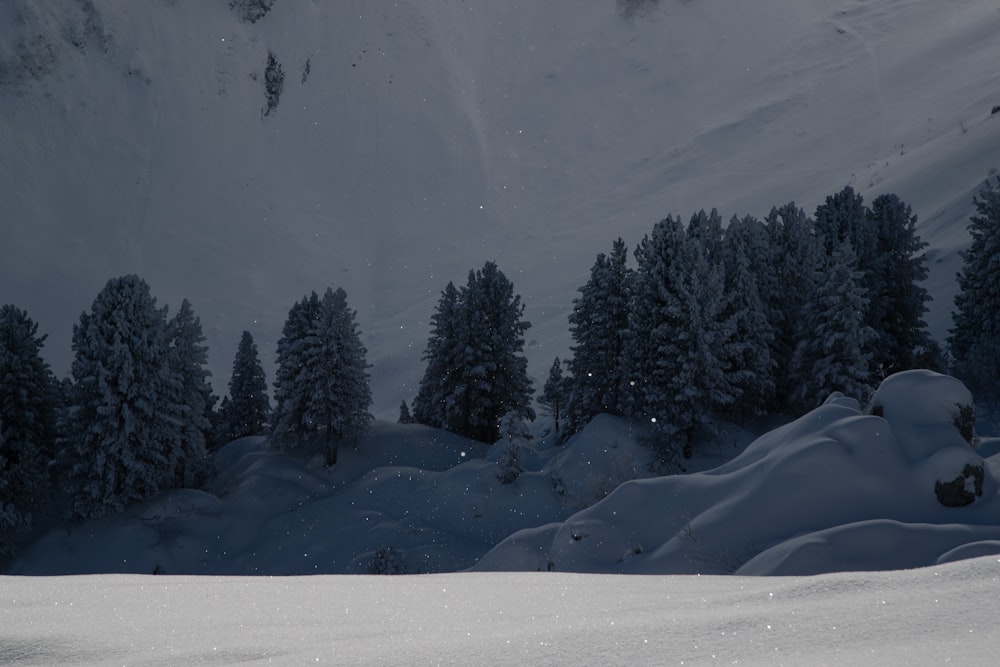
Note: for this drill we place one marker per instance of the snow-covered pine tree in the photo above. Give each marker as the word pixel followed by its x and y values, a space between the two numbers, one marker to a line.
pixel 707 228
pixel 291 377
pixel 322 394
pixel 785 285
pixel 680 342
pixel 28 404
pixel 844 217
pixel 836 346
pixel 443 347
pixel 189 359
pixel 553 396
pixel 248 406
pixel 405 417
pixel 491 378
pixel 124 428
pixel 476 371
pixel 974 339
pixel 746 256
pixel 897 298
pixel 597 327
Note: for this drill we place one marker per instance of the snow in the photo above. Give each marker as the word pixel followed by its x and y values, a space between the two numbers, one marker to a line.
pixel 840 503
pixel 428 139
pixel 935 616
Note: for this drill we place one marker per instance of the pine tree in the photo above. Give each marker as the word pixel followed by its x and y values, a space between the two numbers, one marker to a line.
pixel 248 406
pixel 476 371
pixel 404 414
pixel 28 403
pixel 897 299
pixel 322 395
pixel 707 228
pixel 492 377
pixel 125 426
pixel 785 286
pixel 188 359
pixel 680 341
pixel 746 253
pixel 430 405
pixel 553 397
pixel 974 340
pixel 597 326
pixel 836 347
pixel 843 217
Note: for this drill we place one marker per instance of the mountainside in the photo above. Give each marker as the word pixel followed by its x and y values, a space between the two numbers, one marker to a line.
pixel 413 141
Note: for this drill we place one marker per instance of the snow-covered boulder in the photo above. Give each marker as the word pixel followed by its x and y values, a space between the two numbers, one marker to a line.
pixel 933 418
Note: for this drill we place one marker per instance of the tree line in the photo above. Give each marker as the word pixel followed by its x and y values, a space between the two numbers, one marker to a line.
pixel 712 321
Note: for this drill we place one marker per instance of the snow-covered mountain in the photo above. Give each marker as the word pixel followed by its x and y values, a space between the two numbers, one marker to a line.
pixel 413 141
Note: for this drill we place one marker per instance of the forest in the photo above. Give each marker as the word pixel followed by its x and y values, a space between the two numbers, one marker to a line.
pixel 711 322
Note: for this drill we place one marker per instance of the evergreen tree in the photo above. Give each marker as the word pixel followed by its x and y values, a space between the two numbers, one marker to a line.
pixel 785 286
pixel 746 254
pixel 125 424
pixel 28 403
pixel 974 340
pixel 476 371
pixel 492 377
pixel 321 392
pixel 248 406
pixel 843 217
pixel 430 405
pixel 597 326
pixel 553 397
pixel 836 345
pixel 707 228
pixel 680 340
pixel 897 299
pixel 189 358
pixel 404 414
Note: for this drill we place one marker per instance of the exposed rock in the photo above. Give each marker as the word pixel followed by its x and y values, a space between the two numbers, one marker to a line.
pixel 963 490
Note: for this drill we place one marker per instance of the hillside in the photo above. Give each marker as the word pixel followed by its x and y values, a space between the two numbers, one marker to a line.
pixel 414 141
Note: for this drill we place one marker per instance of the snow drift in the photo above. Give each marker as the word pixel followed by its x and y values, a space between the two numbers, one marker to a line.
pixel 896 486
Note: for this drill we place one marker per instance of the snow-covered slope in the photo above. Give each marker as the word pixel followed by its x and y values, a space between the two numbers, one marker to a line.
pixel 900 486
pixel 413 141
pixel 834 490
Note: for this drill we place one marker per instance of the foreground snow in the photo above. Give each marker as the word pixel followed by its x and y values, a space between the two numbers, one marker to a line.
pixel 931 616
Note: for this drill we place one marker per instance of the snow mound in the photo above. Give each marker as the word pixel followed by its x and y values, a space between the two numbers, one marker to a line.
pixel 835 490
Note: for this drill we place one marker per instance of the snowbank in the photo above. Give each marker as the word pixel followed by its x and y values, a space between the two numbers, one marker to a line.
pixel 837 489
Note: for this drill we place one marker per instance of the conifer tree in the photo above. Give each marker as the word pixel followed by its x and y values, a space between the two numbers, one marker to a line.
pixel 597 327
pixel 322 395
pixel 492 377
pixel 553 397
pixel 404 414
pixel 843 217
pixel 125 424
pixel 189 359
pixel 680 341
pixel 248 406
pixel 897 299
pixel 431 403
pixel 785 287
pixel 836 346
pixel 746 257
pixel 476 372
pixel 707 228
pixel 974 340
pixel 28 404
